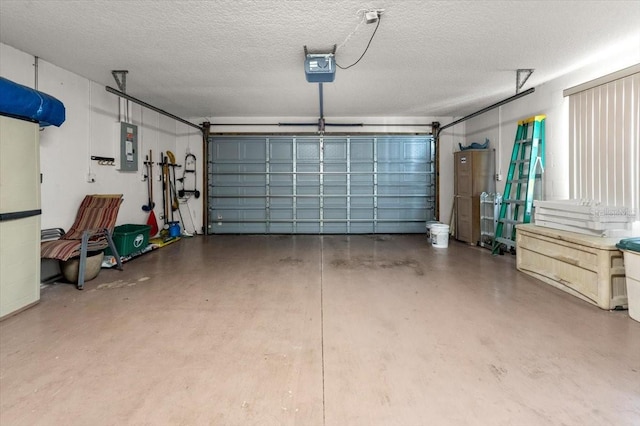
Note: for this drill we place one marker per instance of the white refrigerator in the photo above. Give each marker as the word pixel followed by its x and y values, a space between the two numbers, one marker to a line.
pixel 19 215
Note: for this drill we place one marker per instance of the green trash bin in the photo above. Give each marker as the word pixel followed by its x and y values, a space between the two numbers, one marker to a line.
pixel 130 239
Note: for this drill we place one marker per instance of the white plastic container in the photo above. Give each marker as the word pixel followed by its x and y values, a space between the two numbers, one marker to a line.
pixel 632 272
pixel 429 225
pixel 440 235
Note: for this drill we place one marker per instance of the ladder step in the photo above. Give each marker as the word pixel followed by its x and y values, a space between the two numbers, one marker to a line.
pixel 513 201
pixel 507 242
pixel 510 221
pixel 524 179
pixel 524 141
pixel 537 176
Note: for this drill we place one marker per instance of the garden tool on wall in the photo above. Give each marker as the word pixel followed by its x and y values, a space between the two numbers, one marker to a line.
pixel 190 168
pixel 175 205
pixel 166 180
pixel 149 167
pixel 151 220
pixel 172 175
pixel 164 189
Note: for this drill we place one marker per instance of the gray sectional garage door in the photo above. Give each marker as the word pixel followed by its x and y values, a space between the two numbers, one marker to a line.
pixel 320 185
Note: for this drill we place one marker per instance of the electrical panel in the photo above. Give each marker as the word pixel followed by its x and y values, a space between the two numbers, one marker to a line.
pixel 128 147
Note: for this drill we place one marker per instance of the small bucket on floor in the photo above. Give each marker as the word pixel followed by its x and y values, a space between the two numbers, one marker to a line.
pixel 429 225
pixel 174 229
pixel 440 235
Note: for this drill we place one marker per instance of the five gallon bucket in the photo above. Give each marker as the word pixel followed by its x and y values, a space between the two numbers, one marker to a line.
pixel 429 225
pixel 439 235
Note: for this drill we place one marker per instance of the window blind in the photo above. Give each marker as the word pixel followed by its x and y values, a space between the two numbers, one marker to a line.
pixel 604 139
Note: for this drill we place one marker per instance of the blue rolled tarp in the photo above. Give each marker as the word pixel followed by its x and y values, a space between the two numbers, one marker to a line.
pixel 23 102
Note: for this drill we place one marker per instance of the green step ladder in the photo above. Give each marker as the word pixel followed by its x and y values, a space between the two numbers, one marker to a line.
pixel 517 199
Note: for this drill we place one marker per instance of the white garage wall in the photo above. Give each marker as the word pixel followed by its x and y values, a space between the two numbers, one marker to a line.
pixel 500 125
pixel 92 128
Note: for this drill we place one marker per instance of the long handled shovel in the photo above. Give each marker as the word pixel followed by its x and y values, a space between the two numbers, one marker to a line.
pixel 150 205
pixel 164 189
pixel 151 220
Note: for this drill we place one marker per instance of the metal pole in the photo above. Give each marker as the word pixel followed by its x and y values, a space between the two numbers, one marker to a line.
pixel 321 100
pixel 326 124
pixel 151 107
pixel 435 130
pixel 489 108
pixel 35 79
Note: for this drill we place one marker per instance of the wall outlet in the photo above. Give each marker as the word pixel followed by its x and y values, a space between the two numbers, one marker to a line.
pixel 498 177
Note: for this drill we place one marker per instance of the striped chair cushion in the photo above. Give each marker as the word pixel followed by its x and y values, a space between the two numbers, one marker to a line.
pixel 96 212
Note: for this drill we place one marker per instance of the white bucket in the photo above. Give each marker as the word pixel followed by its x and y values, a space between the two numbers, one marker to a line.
pixel 440 235
pixel 429 224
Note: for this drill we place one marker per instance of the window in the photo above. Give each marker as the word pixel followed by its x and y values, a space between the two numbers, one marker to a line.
pixel 604 140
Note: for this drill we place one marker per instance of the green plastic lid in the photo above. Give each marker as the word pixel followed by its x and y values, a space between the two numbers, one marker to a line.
pixel 632 244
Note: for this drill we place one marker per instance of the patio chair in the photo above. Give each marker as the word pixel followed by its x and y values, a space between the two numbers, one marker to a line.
pixel 91 231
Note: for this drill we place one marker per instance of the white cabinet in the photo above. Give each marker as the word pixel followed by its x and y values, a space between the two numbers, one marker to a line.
pixel 19 215
pixel 588 267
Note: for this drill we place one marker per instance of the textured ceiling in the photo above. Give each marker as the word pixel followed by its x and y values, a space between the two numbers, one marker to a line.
pixel 237 58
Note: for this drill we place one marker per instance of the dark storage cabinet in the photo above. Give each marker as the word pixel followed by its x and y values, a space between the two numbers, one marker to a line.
pixel 473 174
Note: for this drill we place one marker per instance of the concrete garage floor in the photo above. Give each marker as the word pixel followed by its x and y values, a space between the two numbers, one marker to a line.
pixel 310 330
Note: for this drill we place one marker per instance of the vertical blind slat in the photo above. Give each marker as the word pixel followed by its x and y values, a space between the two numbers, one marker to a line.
pixel 604 134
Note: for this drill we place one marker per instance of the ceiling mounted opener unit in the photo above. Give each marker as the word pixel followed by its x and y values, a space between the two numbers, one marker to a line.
pixel 320 67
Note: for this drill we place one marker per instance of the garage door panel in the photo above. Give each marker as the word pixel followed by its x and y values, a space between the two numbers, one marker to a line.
pixel 335 202
pixel 308 190
pixel 390 150
pixel 361 186
pixel 236 205
pixel 330 190
pixel 308 203
pixel 335 228
pixel 281 202
pixel 280 228
pixel 335 150
pixel 335 213
pixel 365 203
pixel 307 150
pixel 362 228
pixel 246 150
pixel 278 214
pixel 280 150
pixel 281 174
pixel 362 150
pixel 362 213
pixel 308 213
pixel 309 184
pixel 225 192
